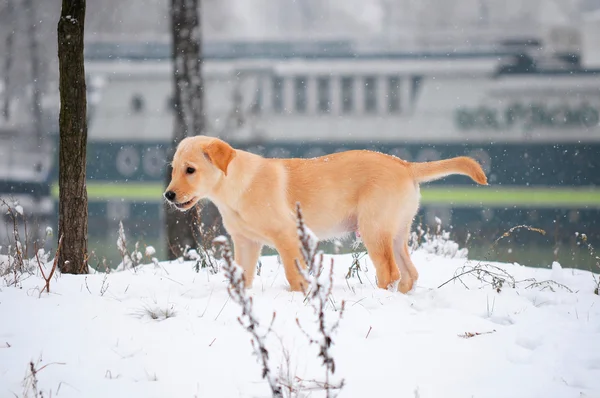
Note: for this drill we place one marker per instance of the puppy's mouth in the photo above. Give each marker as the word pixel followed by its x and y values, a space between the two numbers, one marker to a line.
pixel 185 205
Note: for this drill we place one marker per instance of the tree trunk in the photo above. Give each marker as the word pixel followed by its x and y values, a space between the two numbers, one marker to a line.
pixel 10 40
pixel 188 102
pixel 73 209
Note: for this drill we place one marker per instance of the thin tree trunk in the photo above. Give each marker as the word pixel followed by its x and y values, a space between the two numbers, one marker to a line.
pixel 73 209
pixel 10 40
pixel 34 53
pixel 36 100
pixel 188 105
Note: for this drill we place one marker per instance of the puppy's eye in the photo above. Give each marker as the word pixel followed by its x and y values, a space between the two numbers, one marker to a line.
pixel 190 170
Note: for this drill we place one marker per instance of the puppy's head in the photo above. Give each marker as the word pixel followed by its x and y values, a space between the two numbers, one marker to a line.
pixel 198 165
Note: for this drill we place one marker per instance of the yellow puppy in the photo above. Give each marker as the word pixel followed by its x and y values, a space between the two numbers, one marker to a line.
pixel 376 194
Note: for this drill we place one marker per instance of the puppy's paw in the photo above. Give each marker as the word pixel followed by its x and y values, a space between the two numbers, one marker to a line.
pixel 297 286
pixel 405 285
pixel 248 282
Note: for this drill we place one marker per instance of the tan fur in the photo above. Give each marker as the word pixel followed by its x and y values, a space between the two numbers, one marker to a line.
pixel 376 194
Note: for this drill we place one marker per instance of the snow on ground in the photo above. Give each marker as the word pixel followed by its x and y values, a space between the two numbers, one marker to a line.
pixel 98 337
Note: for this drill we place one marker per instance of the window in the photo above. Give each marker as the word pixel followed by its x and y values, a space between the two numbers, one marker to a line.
pixel 277 94
pixel 300 94
pixel 137 103
pixel 171 103
pixel 323 94
pixel 393 94
pixel 370 94
pixel 257 103
pixel 347 94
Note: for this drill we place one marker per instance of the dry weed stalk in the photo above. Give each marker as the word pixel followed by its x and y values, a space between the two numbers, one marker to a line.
pixel 498 277
pixel 468 335
pixel 437 242
pixel 54 264
pixel 248 320
pixel 513 229
pixel 543 285
pixel 489 274
pixel 354 268
pixel 130 260
pixel 16 262
pixel 291 384
pixel 105 284
pixel 592 252
pixel 204 236
pixel 30 381
pixel 318 295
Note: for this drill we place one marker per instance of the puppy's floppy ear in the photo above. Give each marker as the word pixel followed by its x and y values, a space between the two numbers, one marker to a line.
pixel 220 154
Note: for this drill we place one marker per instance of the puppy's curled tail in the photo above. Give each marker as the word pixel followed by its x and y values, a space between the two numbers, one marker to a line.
pixel 430 171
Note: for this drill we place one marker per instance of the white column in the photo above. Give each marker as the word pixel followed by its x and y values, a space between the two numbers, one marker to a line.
pixel 311 95
pixel 359 94
pixel 406 106
pixel 335 87
pixel 381 93
pixel 267 92
pixel 289 94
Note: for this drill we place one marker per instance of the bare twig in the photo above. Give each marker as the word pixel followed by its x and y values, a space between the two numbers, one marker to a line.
pixel 248 320
pixel 493 275
pixel 592 251
pixel 487 273
pixel 105 285
pixel 468 335
pixel 16 261
pixel 319 293
pixel 204 237
pixel 54 264
pixel 129 259
pixel 354 268
pixel 547 284
pixel 30 382
pixel 516 227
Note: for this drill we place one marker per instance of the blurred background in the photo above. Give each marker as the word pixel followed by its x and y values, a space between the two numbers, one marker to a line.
pixel 513 83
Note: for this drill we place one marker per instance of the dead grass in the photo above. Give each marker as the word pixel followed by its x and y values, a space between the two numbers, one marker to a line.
pixel 497 277
pixel 30 383
pixel 156 312
pixel 582 239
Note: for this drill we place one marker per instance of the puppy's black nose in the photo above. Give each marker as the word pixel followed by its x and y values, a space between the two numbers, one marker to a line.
pixel 170 195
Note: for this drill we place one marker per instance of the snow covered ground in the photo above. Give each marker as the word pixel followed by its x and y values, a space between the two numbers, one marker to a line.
pixel 168 331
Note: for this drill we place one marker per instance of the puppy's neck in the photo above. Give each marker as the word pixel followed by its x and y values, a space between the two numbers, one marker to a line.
pixel 240 171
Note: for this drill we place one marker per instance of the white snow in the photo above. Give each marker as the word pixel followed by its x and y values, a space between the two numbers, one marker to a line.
pixel 220 240
pixel 150 251
pixel 171 332
pixel 192 254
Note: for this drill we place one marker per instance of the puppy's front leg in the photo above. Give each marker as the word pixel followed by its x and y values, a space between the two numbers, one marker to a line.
pixel 288 248
pixel 246 254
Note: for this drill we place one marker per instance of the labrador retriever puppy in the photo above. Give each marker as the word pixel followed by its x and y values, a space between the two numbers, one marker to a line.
pixel 369 192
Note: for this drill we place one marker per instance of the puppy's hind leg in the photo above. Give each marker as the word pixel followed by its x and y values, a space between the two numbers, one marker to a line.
pixel 406 215
pixel 407 268
pixel 380 248
pixel 407 280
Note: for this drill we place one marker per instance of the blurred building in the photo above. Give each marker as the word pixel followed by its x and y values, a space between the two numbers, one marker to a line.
pixel 513 83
